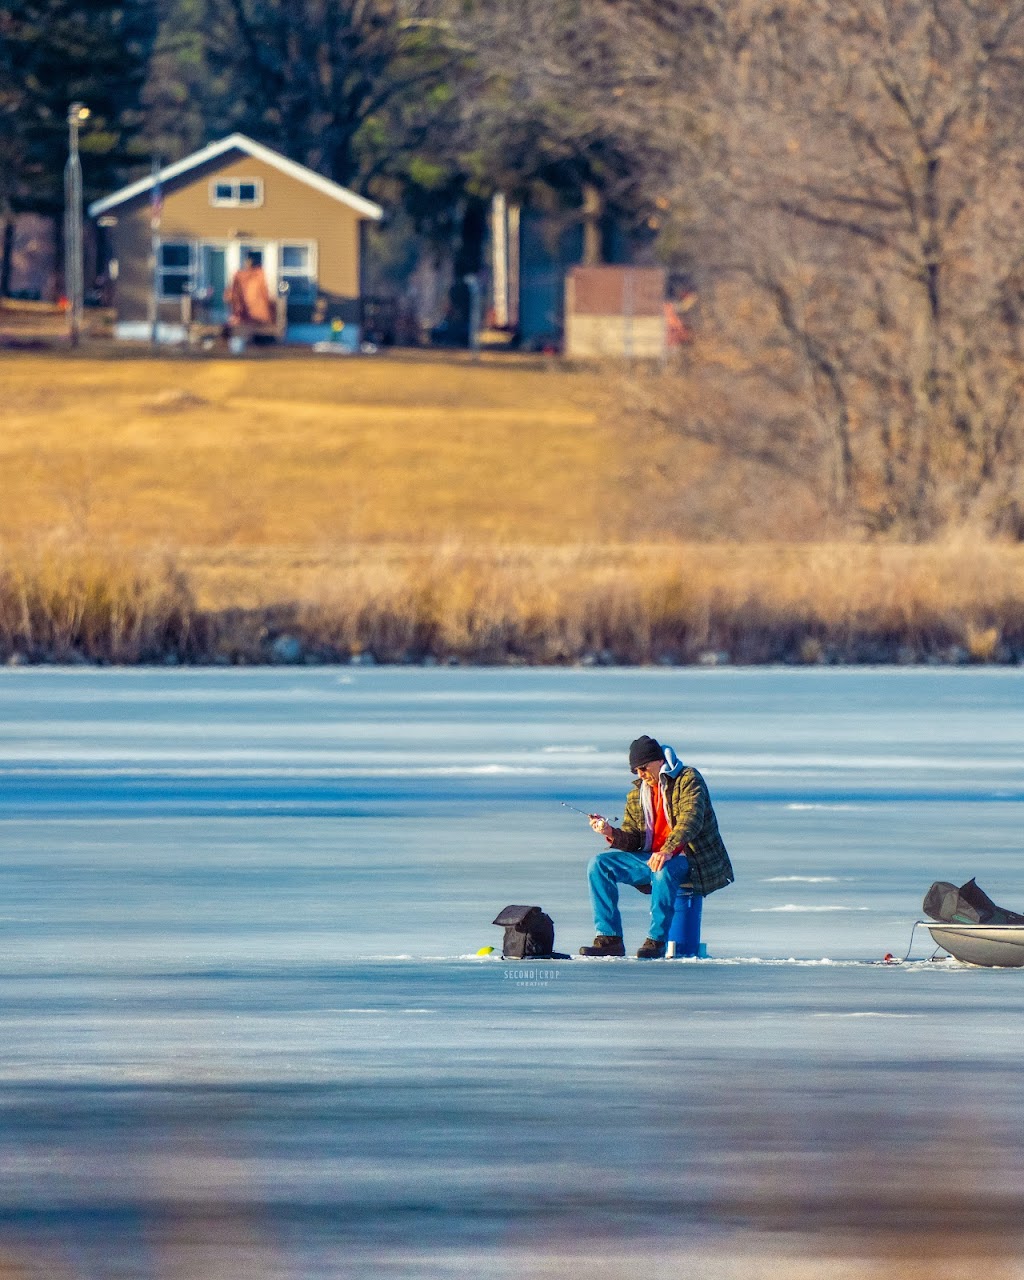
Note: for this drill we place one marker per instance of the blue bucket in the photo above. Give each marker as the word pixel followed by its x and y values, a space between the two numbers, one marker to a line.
pixel 684 931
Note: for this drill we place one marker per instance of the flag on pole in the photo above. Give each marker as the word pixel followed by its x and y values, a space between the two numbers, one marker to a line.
pixel 156 199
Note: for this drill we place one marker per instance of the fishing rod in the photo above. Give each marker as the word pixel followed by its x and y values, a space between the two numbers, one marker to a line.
pixel 588 816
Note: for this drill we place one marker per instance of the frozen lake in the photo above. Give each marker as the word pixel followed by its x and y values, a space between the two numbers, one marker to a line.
pixel 244 1033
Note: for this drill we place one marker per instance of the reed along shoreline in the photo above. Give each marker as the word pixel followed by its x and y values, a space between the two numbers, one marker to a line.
pixel 679 604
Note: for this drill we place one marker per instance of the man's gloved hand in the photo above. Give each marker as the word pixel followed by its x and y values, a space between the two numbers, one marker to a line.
pixel 601 825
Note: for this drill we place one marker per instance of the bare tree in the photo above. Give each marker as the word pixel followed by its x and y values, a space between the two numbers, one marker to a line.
pixel 570 97
pixel 322 79
pixel 864 204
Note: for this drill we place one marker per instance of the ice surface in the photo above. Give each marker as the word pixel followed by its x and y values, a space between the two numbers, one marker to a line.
pixel 244 1031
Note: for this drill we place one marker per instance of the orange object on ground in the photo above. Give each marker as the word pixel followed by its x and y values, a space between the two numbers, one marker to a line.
pixel 249 297
pixel 677 331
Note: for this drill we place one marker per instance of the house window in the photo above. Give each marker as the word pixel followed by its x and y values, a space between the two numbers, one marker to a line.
pixel 297 271
pixel 233 193
pixel 176 268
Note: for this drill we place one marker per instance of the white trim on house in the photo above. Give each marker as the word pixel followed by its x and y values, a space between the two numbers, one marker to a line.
pixel 239 142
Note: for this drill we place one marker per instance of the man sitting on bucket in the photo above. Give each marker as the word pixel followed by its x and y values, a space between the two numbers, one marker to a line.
pixel 669 836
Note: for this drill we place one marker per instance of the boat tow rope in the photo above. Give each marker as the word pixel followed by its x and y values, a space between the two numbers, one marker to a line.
pixel 911 947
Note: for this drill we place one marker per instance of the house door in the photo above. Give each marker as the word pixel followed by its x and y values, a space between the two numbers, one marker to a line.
pixel 213 270
pixel 266 255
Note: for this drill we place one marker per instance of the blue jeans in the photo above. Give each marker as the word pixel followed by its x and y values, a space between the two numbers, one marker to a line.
pixel 613 867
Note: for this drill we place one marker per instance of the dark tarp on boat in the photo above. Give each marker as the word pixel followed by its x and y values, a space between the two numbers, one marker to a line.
pixel 965 905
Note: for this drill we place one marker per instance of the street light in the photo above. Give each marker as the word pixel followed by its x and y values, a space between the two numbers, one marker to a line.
pixel 78 113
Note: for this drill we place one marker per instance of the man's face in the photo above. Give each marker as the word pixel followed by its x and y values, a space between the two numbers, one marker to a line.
pixel 649 772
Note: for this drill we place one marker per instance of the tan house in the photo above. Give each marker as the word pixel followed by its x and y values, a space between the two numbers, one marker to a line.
pixel 174 240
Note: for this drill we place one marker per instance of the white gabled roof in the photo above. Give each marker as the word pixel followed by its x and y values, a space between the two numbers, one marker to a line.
pixel 239 142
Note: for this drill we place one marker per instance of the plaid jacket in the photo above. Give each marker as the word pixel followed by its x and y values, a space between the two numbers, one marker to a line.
pixel 694 830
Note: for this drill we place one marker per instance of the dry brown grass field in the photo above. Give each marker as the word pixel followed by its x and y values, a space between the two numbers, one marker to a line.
pixel 411 507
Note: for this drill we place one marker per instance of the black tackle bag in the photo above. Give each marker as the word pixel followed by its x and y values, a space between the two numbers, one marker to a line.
pixel 529 933
pixel 965 904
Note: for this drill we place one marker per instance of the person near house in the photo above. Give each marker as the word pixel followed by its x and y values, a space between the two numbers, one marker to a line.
pixel 248 296
pixel 669 836
pixel 677 332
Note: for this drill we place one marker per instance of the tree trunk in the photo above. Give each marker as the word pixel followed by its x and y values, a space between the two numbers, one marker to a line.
pixel 469 256
pixel 468 261
pixel 592 255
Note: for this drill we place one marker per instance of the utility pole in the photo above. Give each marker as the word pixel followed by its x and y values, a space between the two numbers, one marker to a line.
pixel 74 287
pixel 156 208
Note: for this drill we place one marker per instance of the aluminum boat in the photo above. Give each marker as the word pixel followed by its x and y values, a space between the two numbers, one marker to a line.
pixel 995 946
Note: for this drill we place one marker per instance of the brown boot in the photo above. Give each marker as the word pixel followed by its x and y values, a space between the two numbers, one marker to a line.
pixel 605 944
pixel 651 950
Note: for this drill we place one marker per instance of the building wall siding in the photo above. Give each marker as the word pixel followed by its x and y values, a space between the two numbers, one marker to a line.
pixel 615 311
pixel 290 211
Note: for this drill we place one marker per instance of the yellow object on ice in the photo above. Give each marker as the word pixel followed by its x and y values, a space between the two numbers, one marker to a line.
pixel 486 951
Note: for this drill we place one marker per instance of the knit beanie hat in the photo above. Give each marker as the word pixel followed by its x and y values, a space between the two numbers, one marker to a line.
pixel 643 751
